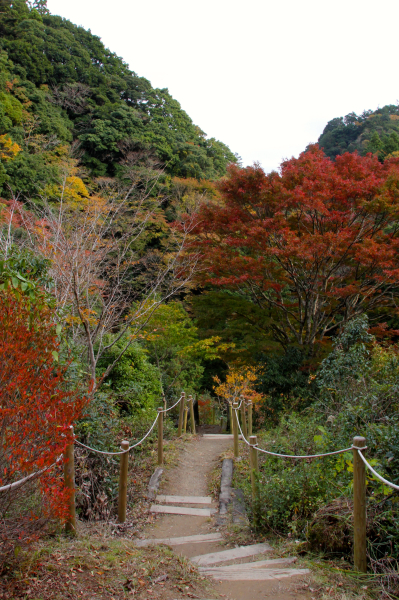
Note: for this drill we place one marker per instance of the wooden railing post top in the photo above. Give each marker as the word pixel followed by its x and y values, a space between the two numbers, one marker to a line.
pixel 359 442
pixel 183 394
pixel 235 404
pixel 160 409
pixel 253 440
pixel 125 445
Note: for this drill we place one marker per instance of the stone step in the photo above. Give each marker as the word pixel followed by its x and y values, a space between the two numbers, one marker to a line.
pixel 231 554
pixel 184 499
pixel 182 510
pixel 258 564
pixel 178 541
pixel 219 436
pixel 239 573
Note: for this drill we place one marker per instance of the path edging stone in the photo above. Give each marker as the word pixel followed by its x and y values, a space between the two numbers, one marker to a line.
pixel 155 480
pixel 225 486
pixel 230 496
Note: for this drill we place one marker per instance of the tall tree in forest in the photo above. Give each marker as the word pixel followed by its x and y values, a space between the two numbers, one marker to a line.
pixel 106 286
pixel 313 246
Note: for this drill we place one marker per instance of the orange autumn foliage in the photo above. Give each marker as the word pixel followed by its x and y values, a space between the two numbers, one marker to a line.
pixel 240 383
pixel 36 413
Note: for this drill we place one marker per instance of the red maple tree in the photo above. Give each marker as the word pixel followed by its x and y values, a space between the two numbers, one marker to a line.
pixel 315 244
pixel 36 412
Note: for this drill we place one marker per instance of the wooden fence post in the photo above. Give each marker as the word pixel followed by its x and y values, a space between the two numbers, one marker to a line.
pixel 359 507
pixel 122 496
pixel 249 418
pixel 253 440
pixel 160 437
pixel 69 480
pixel 235 427
pixel 192 418
pixel 231 416
pixel 185 418
pixel 243 419
pixel 181 413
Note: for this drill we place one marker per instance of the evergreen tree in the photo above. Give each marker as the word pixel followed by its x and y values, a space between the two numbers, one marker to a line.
pixel 40 6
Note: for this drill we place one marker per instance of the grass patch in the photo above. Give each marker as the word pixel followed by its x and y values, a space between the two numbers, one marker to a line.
pixel 99 567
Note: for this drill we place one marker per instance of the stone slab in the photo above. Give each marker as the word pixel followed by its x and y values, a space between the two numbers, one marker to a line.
pixel 155 480
pixel 178 541
pixel 185 499
pixel 219 436
pixel 231 554
pixel 225 485
pixel 258 564
pixel 182 510
pixel 250 574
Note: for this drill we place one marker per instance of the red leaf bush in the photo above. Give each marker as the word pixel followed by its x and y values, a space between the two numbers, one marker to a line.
pixel 36 412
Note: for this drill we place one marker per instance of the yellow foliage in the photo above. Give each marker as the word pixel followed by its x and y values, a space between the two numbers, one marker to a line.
pixel 75 189
pixel 8 148
pixel 72 191
pixel 239 384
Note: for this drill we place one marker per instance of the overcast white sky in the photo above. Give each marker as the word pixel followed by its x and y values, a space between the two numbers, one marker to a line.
pixel 262 76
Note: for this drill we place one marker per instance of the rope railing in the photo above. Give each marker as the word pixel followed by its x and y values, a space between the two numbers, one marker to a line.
pixel 360 464
pixel 290 455
pixel 133 445
pixel 122 451
pixel 70 525
pixel 165 410
pixel 389 483
pixel 17 484
pixel 69 467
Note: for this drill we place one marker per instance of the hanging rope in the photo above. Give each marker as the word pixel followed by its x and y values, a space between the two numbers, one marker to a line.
pixel 122 451
pixel 17 484
pixel 288 455
pixel 170 407
pixel 392 485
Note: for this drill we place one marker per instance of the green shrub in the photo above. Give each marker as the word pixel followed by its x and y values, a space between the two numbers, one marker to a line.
pixel 358 387
pixel 134 383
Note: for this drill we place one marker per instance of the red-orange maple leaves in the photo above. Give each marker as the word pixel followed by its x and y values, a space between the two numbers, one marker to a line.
pixel 36 409
pixel 316 243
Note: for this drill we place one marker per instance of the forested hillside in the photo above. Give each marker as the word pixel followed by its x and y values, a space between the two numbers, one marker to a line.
pixel 62 91
pixel 140 263
pixel 372 131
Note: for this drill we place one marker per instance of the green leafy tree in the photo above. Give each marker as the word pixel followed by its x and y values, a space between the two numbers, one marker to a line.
pixel 375 144
pixel 134 382
pixel 173 345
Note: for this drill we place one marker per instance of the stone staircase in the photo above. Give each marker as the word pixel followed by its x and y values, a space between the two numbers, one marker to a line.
pixel 211 564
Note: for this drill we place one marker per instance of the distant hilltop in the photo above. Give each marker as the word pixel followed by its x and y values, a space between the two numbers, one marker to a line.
pixel 372 131
pixel 61 88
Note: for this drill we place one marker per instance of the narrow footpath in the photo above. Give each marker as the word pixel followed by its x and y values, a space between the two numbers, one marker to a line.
pixel 188 522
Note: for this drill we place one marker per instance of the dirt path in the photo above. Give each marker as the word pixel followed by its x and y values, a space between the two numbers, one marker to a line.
pixel 190 478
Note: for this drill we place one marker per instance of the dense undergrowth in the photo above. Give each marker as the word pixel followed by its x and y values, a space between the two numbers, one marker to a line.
pixel 311 500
